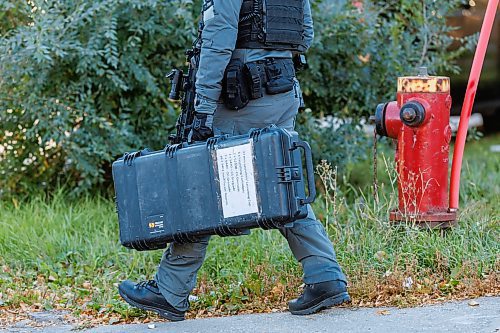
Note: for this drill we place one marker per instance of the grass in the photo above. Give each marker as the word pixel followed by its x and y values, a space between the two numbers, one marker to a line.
pixel 56 254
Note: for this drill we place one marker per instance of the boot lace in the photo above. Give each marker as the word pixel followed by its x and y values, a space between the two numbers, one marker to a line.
pixel 147 283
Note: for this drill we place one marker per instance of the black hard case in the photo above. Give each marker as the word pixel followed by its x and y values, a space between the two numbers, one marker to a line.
pixel 186 191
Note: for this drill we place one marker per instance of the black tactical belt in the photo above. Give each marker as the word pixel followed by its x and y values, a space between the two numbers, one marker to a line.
pixel 244 82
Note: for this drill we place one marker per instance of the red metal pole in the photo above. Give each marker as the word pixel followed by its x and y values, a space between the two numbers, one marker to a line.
pixel 470 94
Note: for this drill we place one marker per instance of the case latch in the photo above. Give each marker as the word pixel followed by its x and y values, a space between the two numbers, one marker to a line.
pixel 288 174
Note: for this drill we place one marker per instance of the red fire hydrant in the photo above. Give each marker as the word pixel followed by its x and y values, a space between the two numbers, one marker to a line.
pixel 419 121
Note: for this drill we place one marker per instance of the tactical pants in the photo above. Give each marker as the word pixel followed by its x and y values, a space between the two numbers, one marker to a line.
pixel 307 238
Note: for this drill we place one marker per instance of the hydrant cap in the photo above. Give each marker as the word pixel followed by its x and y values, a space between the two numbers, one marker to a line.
pixel 412 114
pixel 423 84
pixel 379 119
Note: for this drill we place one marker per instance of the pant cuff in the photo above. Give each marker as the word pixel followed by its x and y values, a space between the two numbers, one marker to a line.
pixel 318 270
pixel 180 303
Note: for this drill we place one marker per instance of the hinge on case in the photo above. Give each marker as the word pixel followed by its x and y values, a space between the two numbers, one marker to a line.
pixel 213 141
pixel 255 133
pixel 289 174
pixel 129 158
pixel 170 150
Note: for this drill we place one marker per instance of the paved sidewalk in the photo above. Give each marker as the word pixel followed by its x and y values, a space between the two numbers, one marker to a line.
pixel 447 317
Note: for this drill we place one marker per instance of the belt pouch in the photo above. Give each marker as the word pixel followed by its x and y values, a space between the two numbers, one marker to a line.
pixel 256 77
pixel 280 75
pixel 235 90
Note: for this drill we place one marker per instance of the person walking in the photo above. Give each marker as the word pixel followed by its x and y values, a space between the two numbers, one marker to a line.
pixel 246 79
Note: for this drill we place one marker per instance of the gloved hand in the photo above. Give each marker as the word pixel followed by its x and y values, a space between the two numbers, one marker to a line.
pixel 202 127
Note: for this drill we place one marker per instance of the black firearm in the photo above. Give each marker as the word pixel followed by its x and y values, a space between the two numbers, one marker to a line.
pixel 183 87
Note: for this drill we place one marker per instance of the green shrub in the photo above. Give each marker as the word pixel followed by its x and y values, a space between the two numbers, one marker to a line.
pixel 12 14
pixel 85 82
pixel 81 82
pixel 340 142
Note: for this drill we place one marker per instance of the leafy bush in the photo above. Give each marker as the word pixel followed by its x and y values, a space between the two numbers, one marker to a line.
pixel 12 14
pixel 83 81
pixel 341 142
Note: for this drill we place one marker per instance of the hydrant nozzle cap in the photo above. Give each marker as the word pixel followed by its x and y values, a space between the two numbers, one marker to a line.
pixel 409 114
pixel 412 114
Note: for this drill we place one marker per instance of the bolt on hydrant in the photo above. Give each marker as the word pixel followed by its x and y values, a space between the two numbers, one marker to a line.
pixel 419 121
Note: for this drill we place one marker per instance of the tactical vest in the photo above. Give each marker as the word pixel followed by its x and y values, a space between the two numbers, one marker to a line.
pixel 271 24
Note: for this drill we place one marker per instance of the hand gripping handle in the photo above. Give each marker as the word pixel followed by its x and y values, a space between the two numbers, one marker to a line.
pixel 311 186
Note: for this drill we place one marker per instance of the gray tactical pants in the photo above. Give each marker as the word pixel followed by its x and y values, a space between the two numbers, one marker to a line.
pixel 176 276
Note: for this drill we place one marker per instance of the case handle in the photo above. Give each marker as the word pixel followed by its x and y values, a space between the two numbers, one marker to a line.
pixel 311 186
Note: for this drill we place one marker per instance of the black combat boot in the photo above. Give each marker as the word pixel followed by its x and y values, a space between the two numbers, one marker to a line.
pixel 319 296
pixel 145 295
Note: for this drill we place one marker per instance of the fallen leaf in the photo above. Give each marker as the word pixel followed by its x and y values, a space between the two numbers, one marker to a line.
pixel 473 303
pixel 278 290
pixel 383 312
pixel 113 321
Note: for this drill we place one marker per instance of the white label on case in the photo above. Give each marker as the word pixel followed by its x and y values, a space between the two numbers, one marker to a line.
pixel 237 180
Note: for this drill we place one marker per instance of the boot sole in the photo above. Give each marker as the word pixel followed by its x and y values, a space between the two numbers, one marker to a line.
pixel 326 303
pixel 161 312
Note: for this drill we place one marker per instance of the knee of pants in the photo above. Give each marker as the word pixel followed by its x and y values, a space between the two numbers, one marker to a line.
pixel 308 238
